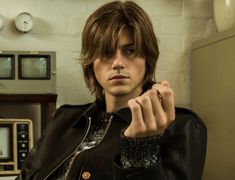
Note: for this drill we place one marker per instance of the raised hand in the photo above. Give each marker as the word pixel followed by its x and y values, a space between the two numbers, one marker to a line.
pixel 152 112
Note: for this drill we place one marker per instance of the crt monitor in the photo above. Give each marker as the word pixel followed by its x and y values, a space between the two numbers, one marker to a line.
pixel 34 67
pixel 7 66
pixel 5 142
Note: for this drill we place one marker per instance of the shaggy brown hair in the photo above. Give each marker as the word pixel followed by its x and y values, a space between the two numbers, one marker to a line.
pixel 101 33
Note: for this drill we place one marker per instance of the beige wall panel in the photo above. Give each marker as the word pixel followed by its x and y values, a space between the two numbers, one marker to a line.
pixel 213 98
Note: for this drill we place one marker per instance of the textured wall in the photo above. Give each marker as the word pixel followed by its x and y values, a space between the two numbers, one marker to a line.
pixel 58 26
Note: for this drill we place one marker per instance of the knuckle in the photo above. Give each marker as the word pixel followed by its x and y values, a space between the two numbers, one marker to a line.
pixel 144 100
pixel 151 92
pixel 135 107
pixel 172 117
pixel 130 102
pixel 152 129
pixel 156 85
pixel 162 123
pixel 141 130
pixel 168 92
pixel 161 117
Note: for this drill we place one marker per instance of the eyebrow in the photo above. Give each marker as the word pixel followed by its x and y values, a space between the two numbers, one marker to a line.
pixel 126 45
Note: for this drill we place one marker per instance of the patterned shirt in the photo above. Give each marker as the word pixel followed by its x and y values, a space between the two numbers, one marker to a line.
pixel 95 135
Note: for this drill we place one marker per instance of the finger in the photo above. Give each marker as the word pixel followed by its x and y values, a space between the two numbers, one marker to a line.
pixel 155 102
pixel 137 127
pixel 137 117
pixel 158 111
pixel 147 112
pixel 168 104
pixel 167 96
pixel 165 83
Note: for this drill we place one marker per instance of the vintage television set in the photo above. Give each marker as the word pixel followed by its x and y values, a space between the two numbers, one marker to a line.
pixel 16 140
pixel 27 72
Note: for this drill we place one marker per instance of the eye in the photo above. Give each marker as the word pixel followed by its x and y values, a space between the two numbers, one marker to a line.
pixel 107 55
pixel 129 52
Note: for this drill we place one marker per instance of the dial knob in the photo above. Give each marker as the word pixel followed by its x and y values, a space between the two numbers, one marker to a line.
pixel 23 155
pixel 23 136
pixel 23 145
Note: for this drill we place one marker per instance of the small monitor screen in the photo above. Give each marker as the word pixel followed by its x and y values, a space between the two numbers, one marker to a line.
pixel 7 66
pixel 5 151
pixel 34 67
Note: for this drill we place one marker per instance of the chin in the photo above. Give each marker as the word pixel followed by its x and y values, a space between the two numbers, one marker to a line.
pixel 123 91
pixel 120 91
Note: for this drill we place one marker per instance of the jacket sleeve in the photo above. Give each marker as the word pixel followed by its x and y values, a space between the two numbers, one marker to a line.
pixel 181 156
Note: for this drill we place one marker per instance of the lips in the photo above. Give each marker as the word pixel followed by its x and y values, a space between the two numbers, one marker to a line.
pixel 116 77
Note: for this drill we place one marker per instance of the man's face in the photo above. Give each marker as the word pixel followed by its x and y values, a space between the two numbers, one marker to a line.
pixel 121 74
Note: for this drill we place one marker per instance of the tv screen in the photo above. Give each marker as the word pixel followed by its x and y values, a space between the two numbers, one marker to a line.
pixel 7 67
pixel 5 143
pixel 34 67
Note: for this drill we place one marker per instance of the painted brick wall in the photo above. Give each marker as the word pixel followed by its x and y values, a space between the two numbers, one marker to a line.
pixel 58 26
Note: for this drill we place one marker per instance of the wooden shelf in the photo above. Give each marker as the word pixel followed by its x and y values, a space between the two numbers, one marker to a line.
pixel 47 103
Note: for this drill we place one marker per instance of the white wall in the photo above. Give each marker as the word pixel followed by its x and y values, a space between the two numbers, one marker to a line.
pixel 58 26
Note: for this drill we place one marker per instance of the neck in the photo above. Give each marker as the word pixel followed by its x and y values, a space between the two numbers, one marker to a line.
pixel 115 103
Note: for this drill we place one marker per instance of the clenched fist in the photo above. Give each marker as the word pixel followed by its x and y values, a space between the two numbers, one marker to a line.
pixel 152 112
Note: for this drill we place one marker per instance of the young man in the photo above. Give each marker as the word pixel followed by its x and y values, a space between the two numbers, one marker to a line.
pixel 132 131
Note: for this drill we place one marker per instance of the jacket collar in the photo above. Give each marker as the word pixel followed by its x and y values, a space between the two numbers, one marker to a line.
pixel 124 114
pixel 99 105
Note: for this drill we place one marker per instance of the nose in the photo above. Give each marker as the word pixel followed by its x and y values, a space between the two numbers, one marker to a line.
pixel 118 61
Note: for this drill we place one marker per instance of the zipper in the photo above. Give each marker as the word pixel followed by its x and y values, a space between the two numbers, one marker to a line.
pixel 88 128
pixel 110 119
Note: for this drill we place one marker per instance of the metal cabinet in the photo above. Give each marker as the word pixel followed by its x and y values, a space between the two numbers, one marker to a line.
pixel 213 98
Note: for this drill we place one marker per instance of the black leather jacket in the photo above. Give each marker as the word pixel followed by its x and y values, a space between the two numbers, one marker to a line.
pixel 182 148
